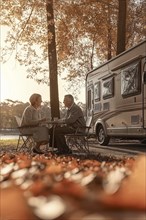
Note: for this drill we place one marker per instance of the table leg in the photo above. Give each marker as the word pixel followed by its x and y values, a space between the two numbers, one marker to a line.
pixel 53 136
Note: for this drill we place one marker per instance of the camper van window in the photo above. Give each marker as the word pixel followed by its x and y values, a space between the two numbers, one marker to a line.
pixel 97 92
pixel 89 99
pixel 108 88
pixel 130 80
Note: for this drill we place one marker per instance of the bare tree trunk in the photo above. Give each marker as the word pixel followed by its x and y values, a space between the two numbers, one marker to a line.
pixel 109 39
pixel 121 32
pixel 54 99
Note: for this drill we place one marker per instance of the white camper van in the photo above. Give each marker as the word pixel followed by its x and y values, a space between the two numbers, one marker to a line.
pixel 116 96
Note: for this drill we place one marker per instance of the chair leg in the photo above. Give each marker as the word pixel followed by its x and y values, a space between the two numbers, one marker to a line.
pixel 79 142
pixel 30 144
pixel 82 144
pixel 23 143
pixel 27 143
pixel 19 139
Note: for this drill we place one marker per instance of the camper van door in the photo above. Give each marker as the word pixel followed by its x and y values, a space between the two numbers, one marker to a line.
pixel 90 100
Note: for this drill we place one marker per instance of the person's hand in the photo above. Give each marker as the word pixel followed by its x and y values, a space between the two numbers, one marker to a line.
pixel 42 120
pixel 60 121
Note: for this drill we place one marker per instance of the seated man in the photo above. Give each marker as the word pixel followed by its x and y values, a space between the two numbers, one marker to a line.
pixel 32 122
pixel 74 118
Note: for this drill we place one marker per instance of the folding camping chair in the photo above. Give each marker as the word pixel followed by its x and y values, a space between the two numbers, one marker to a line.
pixel 79 140
pixel 25 141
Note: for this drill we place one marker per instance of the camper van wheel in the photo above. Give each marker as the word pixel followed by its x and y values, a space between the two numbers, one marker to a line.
pixel 143 141
pixel 102 138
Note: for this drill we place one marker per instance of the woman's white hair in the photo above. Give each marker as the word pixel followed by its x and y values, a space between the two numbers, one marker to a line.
pixel 34 97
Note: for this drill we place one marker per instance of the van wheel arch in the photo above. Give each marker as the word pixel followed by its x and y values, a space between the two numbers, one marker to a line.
pixel 102 138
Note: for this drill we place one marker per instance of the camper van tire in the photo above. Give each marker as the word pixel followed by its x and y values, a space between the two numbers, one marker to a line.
pixel 143 141
pixel 101 136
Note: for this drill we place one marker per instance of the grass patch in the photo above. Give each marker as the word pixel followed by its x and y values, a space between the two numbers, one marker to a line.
pixel 8 142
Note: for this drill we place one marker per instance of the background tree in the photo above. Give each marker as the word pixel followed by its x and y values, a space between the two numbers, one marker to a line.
pixel 8 111
pixel 121 32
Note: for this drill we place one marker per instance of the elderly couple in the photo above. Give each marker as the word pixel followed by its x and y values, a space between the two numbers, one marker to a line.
pixel 33 123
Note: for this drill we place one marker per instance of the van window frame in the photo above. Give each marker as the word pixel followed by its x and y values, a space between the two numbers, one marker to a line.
pixel 97 91
pixel 110 89
pixel 136 79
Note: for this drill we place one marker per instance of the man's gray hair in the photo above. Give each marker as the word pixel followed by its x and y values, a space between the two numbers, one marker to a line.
pixel 70 97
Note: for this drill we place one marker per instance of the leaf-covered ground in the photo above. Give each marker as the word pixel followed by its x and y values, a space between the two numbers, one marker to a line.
pixel 75 187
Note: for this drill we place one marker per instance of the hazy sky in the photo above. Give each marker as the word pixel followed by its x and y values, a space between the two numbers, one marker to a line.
pixel 15 86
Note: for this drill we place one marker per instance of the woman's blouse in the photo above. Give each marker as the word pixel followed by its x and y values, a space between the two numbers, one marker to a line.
pixel 31 116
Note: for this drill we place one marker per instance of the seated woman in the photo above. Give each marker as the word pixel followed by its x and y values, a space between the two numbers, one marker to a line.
pixel 33 122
